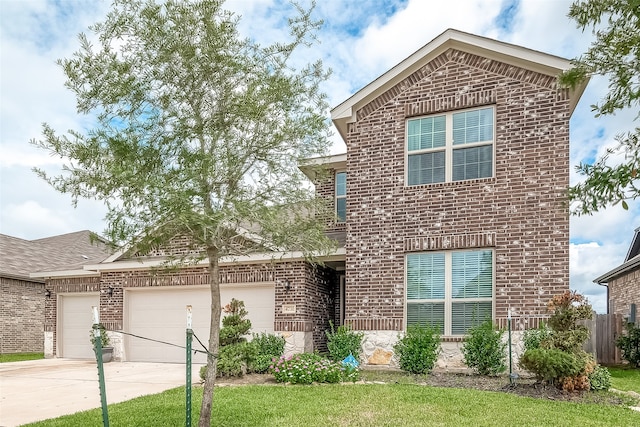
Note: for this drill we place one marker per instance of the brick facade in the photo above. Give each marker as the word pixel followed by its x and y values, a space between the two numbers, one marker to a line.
pixel 624 291
pixel 313 290
pixel 519 212
pixel 21 316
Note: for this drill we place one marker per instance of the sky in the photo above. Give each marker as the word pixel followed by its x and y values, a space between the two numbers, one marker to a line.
pixel 360 40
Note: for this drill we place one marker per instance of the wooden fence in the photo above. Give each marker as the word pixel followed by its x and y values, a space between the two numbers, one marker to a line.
pixel 605 330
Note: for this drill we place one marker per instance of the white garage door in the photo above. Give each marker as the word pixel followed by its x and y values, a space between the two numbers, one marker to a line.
pixel 75 318
pixel 160 314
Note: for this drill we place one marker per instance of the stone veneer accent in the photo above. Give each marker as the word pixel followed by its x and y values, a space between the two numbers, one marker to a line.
pixel 519 213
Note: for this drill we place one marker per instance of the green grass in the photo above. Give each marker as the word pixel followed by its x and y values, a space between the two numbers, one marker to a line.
pixel 625 378
pixel 354 405
pixel 19 357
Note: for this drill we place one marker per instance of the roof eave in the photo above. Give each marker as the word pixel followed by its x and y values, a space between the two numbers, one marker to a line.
pixel 523 57
pixel 618 271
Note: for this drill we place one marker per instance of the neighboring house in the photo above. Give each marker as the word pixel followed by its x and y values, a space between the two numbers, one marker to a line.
pixel 22 307
pixel 450 207
pixel 623 282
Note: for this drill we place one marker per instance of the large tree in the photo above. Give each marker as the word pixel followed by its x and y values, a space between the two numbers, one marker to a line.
pixel 615 53
pixel 195 132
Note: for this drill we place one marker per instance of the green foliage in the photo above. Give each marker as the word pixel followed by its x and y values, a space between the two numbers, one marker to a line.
pixel 267 348
pixel 614 53
pixel 105 341
pixel 234 325
pixel 306 368
pixel 629 344
pixel 550 365
pixel 418 350
pixel 343 341
pixel 484 350
pixel 535 338
pixel 192 130
pixel 600 378
pixel 559 359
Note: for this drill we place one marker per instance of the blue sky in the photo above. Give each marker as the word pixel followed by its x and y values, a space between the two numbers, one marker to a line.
pixel 359 41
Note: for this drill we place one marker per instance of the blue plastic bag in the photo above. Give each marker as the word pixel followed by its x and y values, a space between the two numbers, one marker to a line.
pixel 350 361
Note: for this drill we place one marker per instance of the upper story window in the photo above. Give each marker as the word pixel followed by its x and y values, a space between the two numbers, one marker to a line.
pixel 450 291
pixel 450 147
pixel 341 196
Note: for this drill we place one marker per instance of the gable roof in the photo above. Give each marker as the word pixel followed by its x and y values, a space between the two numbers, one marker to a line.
pixel 631 261
pixel 452 39
pixel 20 257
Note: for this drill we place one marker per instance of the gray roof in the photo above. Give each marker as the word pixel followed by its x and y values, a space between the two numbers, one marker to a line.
pixel 19 257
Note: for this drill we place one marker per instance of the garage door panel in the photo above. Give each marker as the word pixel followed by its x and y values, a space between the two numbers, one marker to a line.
pixel 160 314
pixel 76 318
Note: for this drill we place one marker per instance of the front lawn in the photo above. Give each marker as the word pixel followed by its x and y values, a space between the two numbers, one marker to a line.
pixel 625 378
pixel 19 357
pixel 355 405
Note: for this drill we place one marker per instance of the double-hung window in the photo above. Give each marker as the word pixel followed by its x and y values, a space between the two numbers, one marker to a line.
pixel 450 147
pixel 450 291
pixel 341 197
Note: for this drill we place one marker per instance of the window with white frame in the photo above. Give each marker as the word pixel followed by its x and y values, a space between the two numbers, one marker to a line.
pixel 450 291
pixel 449 147
pixel 341 196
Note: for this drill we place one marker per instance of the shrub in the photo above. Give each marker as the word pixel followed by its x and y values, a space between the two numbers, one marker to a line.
pixel 233 360
pixel 534 338
pixel 483 349
pixel 600 378
pixel 267 347
pixel 306 368
pixel 629 344
pixel 105 341
pixel 550 365
pixel 234 324
pixel 343 341
pixel 418 350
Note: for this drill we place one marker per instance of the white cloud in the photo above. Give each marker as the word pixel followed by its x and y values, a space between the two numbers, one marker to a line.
pixel 360 41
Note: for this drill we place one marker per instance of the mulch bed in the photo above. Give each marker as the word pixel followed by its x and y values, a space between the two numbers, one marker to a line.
pixel 526 387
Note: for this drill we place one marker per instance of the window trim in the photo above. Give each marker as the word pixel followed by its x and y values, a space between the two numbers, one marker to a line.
pixel 449 147
pixel 336 197
pixel 448 288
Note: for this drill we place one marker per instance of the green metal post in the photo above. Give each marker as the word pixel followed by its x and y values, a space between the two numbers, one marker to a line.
pixel 98 352
pixel 188 387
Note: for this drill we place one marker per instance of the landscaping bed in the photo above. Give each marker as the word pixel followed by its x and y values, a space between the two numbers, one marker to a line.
pixel 526 387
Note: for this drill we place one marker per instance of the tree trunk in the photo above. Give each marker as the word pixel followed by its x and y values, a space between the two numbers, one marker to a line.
pixel 214 339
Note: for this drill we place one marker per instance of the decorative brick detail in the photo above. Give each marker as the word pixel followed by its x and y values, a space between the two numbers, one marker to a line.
pixel 452 102
pixel 293 326
pixel 434 243
pixel 376 324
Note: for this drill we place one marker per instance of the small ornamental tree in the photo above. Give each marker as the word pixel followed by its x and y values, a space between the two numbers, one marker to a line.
pixel 235 326
pixel 194 131
pixel 560 359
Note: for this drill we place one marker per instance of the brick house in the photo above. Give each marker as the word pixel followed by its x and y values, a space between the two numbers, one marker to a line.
pixel 623 282
pixel 449 208
pixel 23 297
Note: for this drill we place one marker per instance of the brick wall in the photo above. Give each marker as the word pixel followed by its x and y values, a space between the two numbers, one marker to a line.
pixel 21 316
pixel 624 291
pixel 519 212
pixel 312 291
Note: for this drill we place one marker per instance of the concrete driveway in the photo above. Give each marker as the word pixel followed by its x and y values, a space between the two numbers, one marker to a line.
pixel 40 389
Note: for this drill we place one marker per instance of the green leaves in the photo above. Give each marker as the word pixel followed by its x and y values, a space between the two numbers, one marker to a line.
pixel 194 129
pixel 612 179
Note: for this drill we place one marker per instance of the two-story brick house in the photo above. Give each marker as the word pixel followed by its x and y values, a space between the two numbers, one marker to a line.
pixel 449 207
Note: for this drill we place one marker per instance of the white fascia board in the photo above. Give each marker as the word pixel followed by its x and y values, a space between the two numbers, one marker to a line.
pixel 335 161
pixel 256 258
pixel 493 49
pixel 63 273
